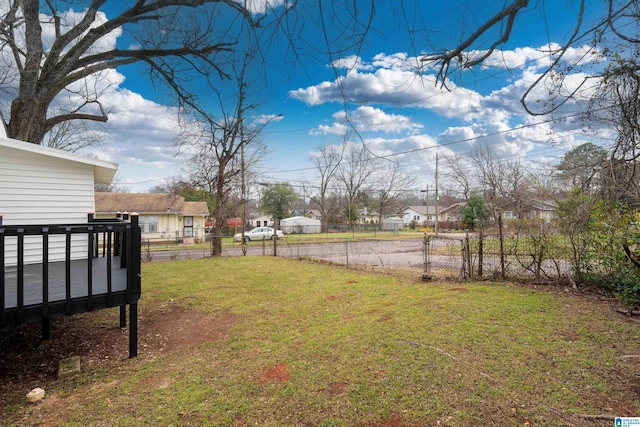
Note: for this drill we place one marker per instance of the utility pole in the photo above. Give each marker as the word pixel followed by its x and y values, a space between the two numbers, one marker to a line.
pixel 242 166
pixel 437 217
pixel 426 200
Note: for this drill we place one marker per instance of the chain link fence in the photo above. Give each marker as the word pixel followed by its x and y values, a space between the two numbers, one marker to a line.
pixel 446 255
pixel 392 254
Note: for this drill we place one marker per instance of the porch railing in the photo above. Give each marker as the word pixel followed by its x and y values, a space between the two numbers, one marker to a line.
pixel 116 240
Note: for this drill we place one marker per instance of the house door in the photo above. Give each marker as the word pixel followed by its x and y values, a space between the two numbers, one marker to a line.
pixel 188 226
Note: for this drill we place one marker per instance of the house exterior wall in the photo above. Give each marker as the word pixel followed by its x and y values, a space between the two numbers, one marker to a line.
pixel 409 215
pixel 155 226
pixel 38 189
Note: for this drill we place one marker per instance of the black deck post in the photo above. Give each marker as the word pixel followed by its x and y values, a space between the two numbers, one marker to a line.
pixel 133 330
pixel 2 321
pixel 46 329
pixel 133 250
pixel 123 316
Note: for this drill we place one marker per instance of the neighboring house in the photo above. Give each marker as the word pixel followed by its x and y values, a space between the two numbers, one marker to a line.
pixel 542 209
pixel 533 209
pixel 40 185
pixel 450 213
pixel 163 217
pixel 417 214
pixel 260 220
pixel 300 225
pixel 314 213
pixel 368 216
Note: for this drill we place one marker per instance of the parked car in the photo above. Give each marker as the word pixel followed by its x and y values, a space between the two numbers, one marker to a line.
pixel 258 233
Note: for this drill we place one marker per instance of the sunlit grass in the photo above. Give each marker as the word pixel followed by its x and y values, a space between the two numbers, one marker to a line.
pixel 361 348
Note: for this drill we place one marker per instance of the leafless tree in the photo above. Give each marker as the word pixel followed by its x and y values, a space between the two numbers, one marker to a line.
pixel 459 171
pixel 391 184
pixel 223 148
pixel 327 161
pixel 114 187
pixel 491 176
pixel 354 174
pixel 176 39
pixel 73 136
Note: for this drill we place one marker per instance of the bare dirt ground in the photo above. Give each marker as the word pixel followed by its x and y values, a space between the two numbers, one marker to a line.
pixel 27 362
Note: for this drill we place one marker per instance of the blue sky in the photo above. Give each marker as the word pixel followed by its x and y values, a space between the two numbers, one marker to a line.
pixel 395 108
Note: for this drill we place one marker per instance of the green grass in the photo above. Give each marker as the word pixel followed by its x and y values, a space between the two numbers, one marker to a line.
pixel 359 349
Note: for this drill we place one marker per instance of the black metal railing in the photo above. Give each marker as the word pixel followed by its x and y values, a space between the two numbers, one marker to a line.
pixel 116 240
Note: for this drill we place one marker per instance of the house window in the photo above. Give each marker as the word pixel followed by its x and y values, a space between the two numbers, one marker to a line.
pixel 148 223
pixel 416 217
pixel 508 215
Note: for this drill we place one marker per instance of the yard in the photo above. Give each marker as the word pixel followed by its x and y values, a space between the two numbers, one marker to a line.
pixel 270 341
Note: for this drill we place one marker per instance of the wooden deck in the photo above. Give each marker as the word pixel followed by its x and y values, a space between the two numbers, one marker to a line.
pixel 109 276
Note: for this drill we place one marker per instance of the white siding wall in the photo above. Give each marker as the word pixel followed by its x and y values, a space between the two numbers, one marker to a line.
pixel 37 189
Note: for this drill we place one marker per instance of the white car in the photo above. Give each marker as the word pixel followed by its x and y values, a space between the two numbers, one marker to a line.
pixel 258 233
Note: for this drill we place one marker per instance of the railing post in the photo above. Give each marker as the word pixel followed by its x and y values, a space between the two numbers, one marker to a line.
pixel 20 254
pixel 67 269
pixel 2 232
pixel 45 273
pixel 122 243
pixel 133 251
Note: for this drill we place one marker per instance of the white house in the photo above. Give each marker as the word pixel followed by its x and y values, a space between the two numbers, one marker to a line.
pixel 41 185
pixel 300 225
pixel 260 220
pixel 418 214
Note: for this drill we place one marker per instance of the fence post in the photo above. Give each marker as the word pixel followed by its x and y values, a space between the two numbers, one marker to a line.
pixel 427 257
pixel 502 272
pixel 467 254
pixel 480 254
pixel 346 246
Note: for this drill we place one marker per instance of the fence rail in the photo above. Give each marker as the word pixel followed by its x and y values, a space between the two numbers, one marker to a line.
pixel 450 255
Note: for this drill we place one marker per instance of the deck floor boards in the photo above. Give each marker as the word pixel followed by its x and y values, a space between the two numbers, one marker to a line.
pixel 57 281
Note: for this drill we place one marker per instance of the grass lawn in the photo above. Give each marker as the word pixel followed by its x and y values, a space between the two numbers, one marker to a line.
pixel 270 341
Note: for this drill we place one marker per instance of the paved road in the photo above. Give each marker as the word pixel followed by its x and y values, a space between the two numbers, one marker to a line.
pixel 446 257
pixel 406 252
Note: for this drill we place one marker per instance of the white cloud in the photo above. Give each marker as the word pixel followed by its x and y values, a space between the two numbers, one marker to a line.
pixel 264 119
pixel 261 6
pixel 392 87
pixel 369 119
pixel 352 62
pixel 537 58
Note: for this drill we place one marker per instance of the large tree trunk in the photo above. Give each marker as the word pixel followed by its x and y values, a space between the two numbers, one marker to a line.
pixel 28 121
pixel 28 115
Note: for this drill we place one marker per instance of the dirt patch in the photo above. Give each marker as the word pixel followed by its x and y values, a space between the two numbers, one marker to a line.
pixel 331 297
pixel 29 362
pixel 458 289
pixel 337 387
pixel 277 373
